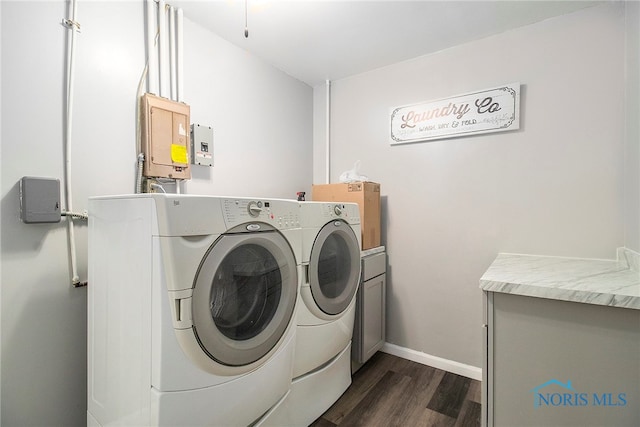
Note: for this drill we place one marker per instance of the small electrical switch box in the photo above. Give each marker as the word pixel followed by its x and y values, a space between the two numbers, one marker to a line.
pixel 165 138
pixel 201 145
pixel 39 200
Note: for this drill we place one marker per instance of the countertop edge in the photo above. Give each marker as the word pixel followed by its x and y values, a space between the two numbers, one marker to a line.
pixel 548 278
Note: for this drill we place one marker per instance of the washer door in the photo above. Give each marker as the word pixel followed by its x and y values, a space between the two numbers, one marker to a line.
pixel 243 296
pixel 334 267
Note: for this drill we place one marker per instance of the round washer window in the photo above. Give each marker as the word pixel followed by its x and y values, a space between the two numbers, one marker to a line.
pixel 244 295
pixel 334 267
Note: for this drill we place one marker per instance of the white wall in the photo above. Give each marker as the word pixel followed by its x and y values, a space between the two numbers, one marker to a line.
pixel 320 136
pixel 262 120
pixel 554 187
pixel 262 123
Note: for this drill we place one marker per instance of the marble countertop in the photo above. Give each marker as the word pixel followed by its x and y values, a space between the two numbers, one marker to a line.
pixel 613 283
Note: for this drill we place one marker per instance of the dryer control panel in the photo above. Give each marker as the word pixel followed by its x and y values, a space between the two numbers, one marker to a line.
pixel 281 214
pixel 347 211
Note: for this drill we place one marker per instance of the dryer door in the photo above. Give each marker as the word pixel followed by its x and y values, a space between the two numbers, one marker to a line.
pixel 334 267
pixel 243 296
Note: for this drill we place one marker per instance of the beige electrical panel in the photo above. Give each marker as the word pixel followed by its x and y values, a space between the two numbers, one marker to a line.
pixel 165 138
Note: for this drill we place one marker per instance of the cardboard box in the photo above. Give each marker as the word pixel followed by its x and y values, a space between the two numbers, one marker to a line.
pixel 366 195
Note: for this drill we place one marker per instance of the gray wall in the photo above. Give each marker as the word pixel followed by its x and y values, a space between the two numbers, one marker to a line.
pixel 320 136
pixel 43 319
pixel 565 184
pixel 632 127
pixel 554 187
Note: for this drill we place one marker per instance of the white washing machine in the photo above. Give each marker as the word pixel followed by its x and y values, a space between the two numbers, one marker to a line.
pixel 331 243
pixel 191 308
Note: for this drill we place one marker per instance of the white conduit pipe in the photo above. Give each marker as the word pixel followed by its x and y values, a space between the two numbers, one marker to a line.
pixel 140 162
pixel 152 50
pixel 180 57
pixel 328 132
pixel 172 52
pixel 73 25
pixel 162 29
pixel 178 67
pixel 150 73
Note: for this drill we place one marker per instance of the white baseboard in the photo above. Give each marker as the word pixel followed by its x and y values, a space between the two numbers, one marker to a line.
pixel 454 367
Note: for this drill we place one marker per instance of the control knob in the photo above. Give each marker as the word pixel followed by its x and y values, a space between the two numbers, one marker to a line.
pixel 337 210
pixel 254 208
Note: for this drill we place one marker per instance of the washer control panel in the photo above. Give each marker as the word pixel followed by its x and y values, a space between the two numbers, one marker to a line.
pixel 278 213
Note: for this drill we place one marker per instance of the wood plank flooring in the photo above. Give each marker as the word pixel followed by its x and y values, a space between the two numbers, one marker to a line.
pixel 391 391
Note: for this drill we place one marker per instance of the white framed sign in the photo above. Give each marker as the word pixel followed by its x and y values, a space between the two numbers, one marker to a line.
pixel 491 110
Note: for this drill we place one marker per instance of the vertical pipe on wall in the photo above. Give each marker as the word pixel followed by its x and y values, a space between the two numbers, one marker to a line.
pixel 162 42
pixel 72 25
pixel 172 52
pixel 152 49
pixel 178 65
pixel 328 132
pixel 179 54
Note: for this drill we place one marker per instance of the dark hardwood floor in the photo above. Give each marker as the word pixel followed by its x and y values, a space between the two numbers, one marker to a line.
pixel 391 391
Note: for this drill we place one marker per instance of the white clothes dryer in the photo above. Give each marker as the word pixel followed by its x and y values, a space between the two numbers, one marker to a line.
pixel 331 245
pixel 191 308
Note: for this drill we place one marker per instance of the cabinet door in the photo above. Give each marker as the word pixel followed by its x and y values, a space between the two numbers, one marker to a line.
pixel 369 329
pixel 559 363
pixel 373 316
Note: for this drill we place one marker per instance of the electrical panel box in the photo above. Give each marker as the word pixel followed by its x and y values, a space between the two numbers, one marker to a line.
pixel 201 145
pixel 39 200
pixel 165 138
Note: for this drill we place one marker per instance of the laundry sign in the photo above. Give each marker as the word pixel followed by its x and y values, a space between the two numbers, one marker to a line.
pixel 491 110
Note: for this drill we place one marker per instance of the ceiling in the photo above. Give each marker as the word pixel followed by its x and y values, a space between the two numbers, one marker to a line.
pixel 319 40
